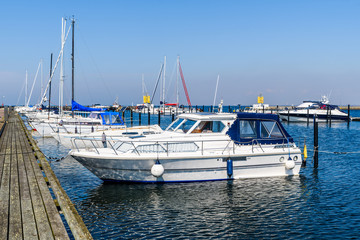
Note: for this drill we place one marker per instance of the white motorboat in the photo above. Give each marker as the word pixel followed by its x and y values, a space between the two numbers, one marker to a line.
pixel 309 109
pixel 89 140
pixel 199 147
pixel 96 121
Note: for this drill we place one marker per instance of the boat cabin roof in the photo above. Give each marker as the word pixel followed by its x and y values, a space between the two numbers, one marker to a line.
pixel 208 116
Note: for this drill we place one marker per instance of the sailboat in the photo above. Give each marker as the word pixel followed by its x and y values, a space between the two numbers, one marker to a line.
pixel 72 123
pixel 165 107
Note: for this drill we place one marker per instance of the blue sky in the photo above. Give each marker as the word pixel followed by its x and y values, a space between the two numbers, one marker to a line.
pixel 289 51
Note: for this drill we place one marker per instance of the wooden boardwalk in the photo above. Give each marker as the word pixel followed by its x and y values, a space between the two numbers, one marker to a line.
pixel 27 208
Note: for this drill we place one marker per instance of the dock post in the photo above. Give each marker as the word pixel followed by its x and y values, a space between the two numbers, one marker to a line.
pixel 263 109
pixel 327 114
pixel 307 116
pixel 330 117
pixel 239 108
pixel 172 117
pixel 131 117
pixel 288 115
pixel 6 113
pixel 211 108
pixel 316 143
pixel 148 116
pixel 159 118
pixel 348 113
pixel 140 118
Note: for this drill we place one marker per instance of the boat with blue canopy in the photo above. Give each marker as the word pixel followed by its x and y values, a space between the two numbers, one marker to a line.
pixel 199 147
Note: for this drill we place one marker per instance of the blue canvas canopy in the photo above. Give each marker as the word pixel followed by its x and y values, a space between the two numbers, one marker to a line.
pixel 77 107
pixel 253 128
pixel 111 118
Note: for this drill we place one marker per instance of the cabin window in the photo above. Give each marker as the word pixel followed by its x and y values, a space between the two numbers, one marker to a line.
pixel 187 125
pixel 247 129
pixel 270 129
pixel 209 127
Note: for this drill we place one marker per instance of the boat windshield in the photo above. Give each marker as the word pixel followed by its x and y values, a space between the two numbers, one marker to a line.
pixel 175 124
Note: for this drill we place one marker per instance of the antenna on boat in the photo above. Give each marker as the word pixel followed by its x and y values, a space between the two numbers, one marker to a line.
pixel 217 83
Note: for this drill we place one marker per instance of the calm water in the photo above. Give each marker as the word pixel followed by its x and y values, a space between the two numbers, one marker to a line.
pixel 322 203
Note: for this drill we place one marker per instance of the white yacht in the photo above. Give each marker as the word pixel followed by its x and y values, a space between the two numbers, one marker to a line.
pixel 199 147
pixel 309 109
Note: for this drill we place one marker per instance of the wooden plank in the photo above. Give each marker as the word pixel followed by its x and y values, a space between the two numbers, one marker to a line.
pixel 3 140
pixel 57 226
pixel 5 193
pixel 15 221
pixel 28 217
pixel 42 223
pixel 75 222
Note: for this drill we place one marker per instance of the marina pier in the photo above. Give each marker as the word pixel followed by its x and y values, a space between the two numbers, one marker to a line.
pixel 31 197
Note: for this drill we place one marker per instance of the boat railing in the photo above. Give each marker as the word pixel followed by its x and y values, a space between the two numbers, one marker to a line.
pixel 176 146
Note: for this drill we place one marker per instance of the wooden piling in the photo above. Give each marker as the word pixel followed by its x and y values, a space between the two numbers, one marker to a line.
pixel 308 117
pixel 159 118
pixel 140 118
pixel 148 117
pixel 288 115
pixel 131 117
pixel 316 143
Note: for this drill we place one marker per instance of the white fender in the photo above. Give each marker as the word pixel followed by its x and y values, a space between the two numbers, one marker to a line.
pixel 289 164
pixel 157 170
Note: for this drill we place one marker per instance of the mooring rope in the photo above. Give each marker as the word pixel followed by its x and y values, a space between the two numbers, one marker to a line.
pixel 336 152
pixel 56 159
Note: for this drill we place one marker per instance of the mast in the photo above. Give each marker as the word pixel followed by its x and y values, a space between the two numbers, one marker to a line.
pixel 217 83
pixel 184 85
pixel 163 99
pixel 26 87
pixel 61 87
pixel 33 85
pixel 50 85
pixel 177 82
pixel 41 78
pixel 72 60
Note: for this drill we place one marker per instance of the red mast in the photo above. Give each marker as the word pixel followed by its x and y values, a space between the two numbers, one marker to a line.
pixel 184 85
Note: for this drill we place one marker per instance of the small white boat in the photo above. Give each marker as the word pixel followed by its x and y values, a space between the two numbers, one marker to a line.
pixel 89 140
pixel 199 147
pixel 309 109
pixel 96 121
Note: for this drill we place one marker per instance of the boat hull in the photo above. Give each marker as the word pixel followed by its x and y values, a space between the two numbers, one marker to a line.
pixel 297 116
pixel 204 168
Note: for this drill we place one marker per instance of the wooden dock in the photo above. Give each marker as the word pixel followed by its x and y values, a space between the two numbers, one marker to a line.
pixel 28 210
